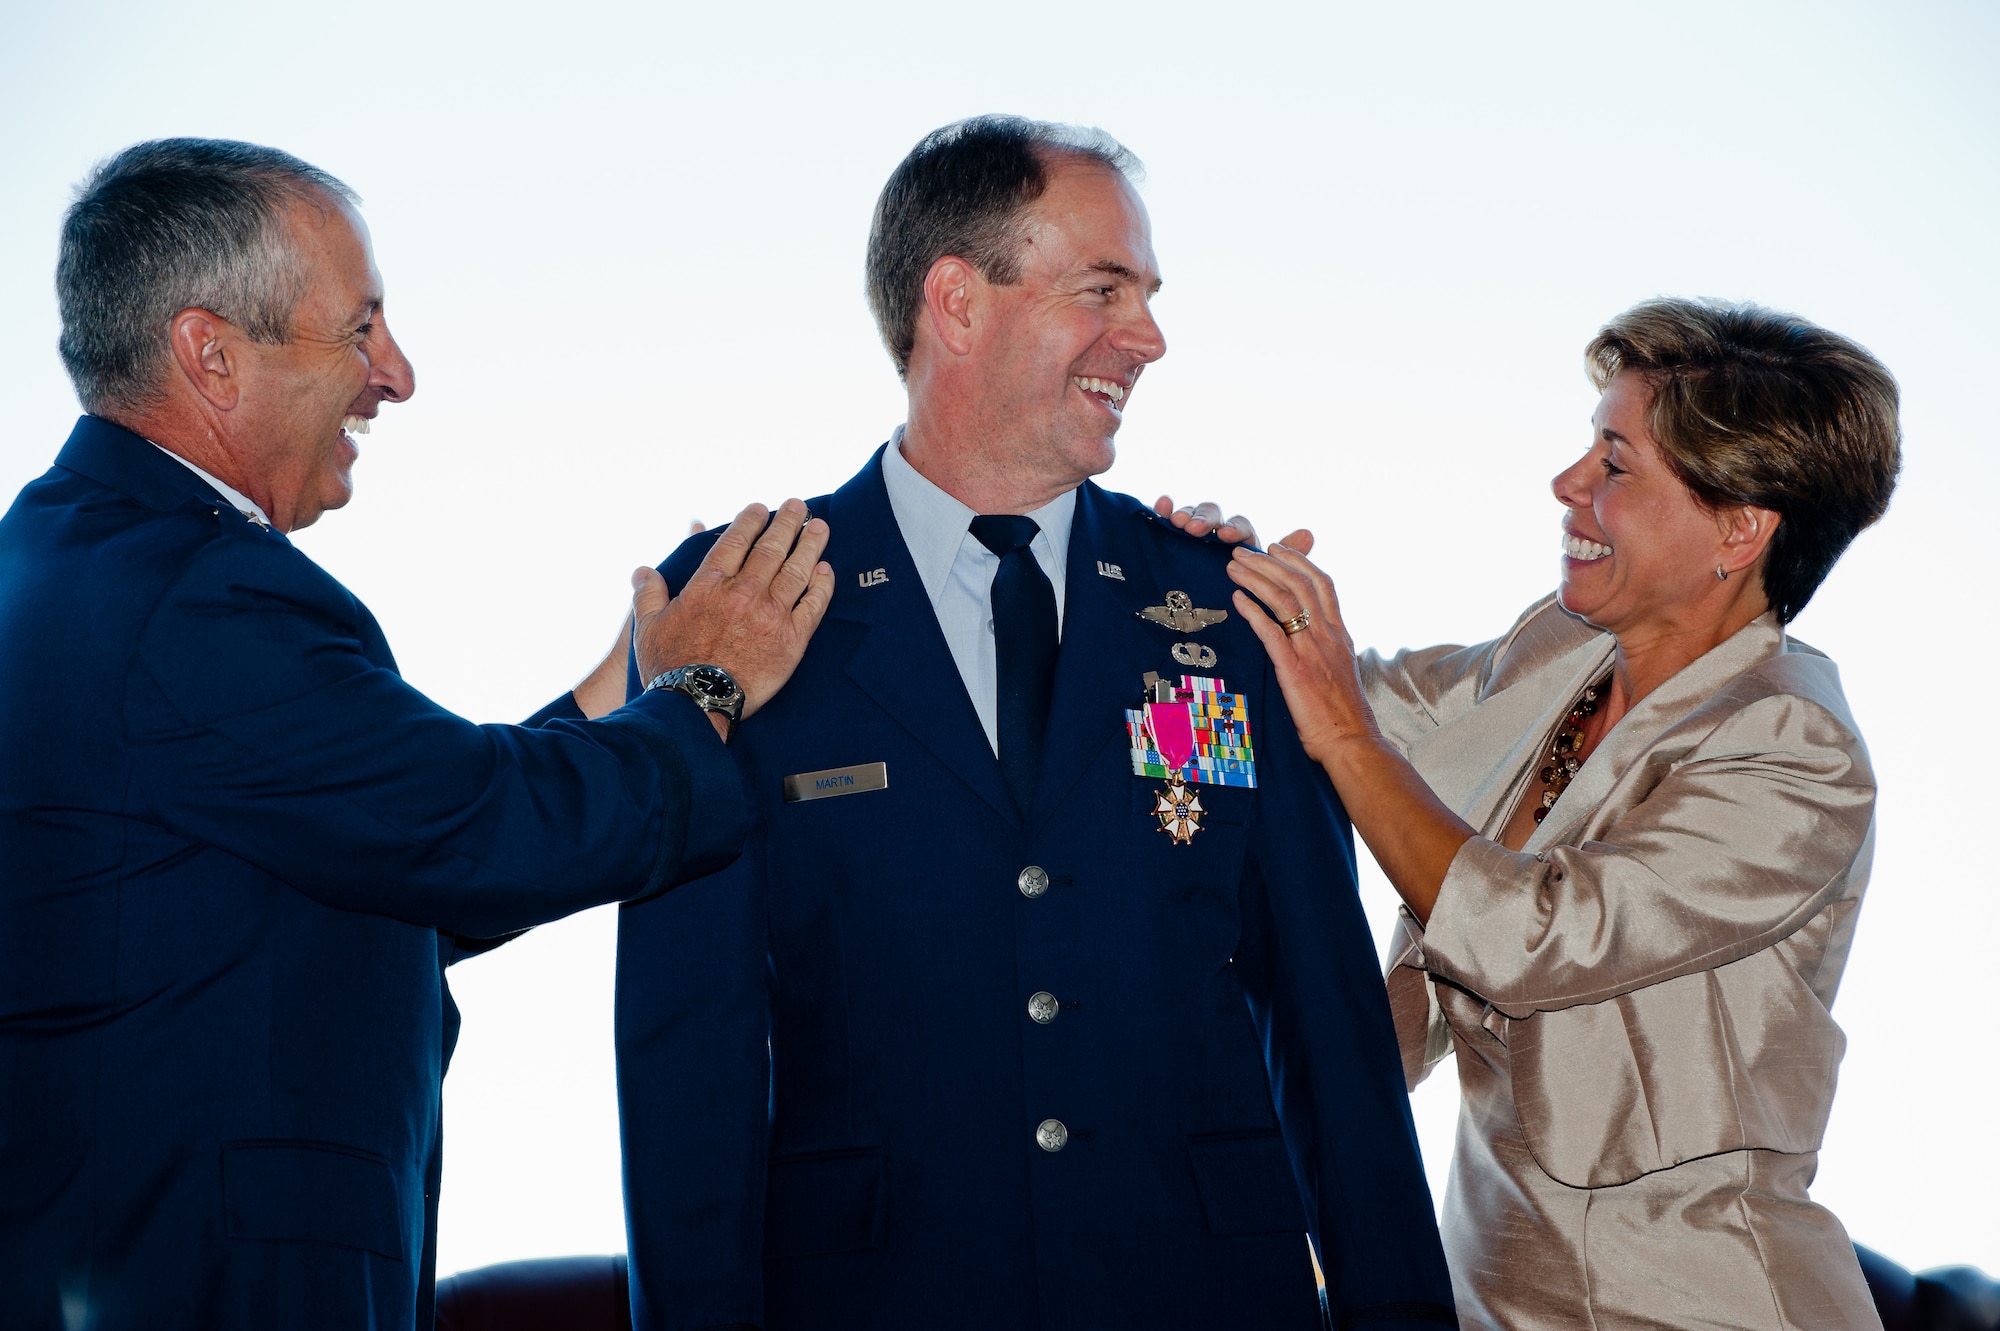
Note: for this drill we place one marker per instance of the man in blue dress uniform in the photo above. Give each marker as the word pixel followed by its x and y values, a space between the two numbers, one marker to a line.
pixel 1041 995
pixel 236 849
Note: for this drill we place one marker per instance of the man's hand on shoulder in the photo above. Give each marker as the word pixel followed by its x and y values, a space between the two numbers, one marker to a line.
pixel 1203 518
pixel 750 608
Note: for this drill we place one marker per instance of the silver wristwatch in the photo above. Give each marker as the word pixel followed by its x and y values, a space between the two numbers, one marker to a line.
pixel 711 687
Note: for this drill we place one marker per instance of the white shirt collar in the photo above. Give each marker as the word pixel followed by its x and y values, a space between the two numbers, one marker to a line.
pixel 239 501
pixel 935 525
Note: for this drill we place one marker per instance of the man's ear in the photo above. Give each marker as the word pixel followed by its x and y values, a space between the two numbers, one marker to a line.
pixel 948 289
pixel 207 349
pixel 1746 533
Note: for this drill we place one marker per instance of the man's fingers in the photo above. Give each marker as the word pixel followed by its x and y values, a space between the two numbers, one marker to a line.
pixel 799 568
pixel 1300 540
pixel 767 556
pixel 1180 517
pixel 1237 531
pixel 818 595
pixel 726 556
pixel 649 595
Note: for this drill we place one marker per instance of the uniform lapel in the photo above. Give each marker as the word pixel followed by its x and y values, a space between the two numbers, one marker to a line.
pixel 902 661
pixel 1103 639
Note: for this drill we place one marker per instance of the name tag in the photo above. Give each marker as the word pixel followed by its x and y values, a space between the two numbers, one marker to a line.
pixel 836 781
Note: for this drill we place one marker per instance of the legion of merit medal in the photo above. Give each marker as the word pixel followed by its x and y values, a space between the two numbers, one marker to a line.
pixel 1179 811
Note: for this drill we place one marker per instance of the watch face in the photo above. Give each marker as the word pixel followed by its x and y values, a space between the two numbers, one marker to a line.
pixel 710 682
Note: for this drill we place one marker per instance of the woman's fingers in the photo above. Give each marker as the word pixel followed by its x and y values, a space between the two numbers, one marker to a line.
pixel 1315 581
pixel 1278 585
pixel 1274 638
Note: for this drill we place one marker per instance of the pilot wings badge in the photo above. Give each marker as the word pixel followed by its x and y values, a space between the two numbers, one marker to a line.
pixel 1181 615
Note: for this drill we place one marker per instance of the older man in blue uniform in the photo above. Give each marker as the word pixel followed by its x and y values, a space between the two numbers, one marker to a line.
pixel 236 849
pixel 1041 996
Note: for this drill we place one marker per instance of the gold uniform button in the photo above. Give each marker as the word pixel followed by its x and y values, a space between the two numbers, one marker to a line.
pixel 1051 1136
pixel 1034 881
pixel 1043 1008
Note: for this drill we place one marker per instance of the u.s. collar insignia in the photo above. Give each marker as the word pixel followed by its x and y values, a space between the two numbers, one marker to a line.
pixel 1181 615
pixel 1179 810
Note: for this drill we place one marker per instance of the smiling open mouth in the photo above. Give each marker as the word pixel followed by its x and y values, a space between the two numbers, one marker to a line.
pixel 1110 390
pixel 354 425
pixel 1586 551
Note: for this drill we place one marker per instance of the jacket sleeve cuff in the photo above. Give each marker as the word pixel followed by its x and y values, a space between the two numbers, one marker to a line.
pixel 705 815
pixel 562 709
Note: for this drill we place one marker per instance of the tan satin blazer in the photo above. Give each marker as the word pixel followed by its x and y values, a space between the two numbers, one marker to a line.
pixel 1660 958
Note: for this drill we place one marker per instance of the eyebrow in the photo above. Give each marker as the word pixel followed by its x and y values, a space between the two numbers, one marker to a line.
pixel 367 309
pixel 1116 269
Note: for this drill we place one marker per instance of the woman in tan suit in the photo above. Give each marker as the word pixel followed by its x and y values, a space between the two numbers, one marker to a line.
pixel 1631 837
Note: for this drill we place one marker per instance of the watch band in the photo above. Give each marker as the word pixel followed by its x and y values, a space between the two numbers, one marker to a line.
pixel 677 679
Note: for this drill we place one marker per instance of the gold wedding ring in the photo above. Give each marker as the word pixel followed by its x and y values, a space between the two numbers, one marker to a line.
pixel 1297 623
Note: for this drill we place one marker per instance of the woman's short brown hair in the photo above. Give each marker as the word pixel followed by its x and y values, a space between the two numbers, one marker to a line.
pixel 1751 406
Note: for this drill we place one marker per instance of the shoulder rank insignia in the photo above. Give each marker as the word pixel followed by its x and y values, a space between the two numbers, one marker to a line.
pixel 1179 811
pixel 1181 615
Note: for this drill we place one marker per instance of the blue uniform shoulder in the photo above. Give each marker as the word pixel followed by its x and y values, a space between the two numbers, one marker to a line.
pixel 1174 553
pixel 72 542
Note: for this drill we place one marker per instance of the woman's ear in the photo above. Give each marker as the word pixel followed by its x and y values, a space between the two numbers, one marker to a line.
pixel 1746 533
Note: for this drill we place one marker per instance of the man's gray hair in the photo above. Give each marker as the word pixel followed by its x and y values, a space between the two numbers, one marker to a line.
pixel 171 225
pixel 962 191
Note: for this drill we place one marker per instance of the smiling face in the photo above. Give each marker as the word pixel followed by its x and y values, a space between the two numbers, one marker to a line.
pixel 1061 349
pixel 1639 550
pixel 305 399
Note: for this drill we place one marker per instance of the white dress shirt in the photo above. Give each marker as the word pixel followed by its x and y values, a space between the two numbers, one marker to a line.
pixel 957 571
pixel 239 501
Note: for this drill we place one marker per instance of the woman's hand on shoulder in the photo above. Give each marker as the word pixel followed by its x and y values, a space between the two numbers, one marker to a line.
pixel 1293 609
pixel 1205 517
pixel 1291 605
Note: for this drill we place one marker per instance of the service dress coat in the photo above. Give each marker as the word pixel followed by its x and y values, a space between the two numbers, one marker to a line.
pixel 1639 998
pixel 235 850
pixel 918 1061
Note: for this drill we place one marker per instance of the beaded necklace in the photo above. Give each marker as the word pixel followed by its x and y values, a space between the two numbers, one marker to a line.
pixel 1566 751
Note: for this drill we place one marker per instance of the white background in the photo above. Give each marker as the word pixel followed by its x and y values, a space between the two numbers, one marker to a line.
pixel 623 246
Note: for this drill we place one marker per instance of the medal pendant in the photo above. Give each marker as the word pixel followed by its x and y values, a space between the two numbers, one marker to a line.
pixel 1179 810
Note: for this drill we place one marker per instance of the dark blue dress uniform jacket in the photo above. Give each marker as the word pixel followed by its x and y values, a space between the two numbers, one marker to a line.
pixel 234 849
pixel 1222 1058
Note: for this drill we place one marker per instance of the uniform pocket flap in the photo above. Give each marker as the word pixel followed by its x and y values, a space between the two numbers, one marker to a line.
pixel 827 1202
pixel 1246 1183
pixel 311 1192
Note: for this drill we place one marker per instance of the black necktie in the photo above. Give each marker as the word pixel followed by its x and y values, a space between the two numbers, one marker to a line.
pixel 1024 648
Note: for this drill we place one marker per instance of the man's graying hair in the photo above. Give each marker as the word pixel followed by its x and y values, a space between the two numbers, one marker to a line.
pixel 961 191
pixel 171 225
